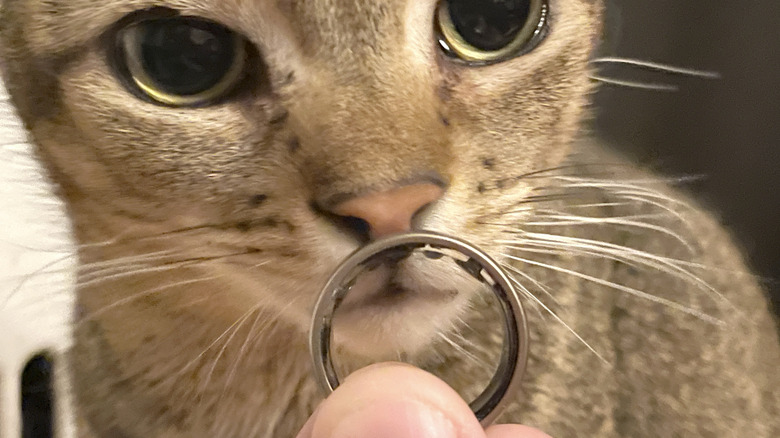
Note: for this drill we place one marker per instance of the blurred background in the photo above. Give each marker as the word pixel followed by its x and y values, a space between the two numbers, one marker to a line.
pixel 727 130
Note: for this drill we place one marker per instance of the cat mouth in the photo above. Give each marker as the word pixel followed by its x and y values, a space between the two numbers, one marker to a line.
pixel 401 307
pixel 390 288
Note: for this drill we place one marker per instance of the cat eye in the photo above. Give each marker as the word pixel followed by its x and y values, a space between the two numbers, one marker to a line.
pixel 490 31
pixel 181 61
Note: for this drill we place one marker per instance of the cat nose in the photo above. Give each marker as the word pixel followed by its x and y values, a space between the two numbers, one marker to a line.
pixel 391 211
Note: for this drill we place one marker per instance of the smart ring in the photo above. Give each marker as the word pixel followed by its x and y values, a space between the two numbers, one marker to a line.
pixel 490 403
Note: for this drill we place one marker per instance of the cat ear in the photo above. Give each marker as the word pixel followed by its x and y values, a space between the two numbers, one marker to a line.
pixel 37 289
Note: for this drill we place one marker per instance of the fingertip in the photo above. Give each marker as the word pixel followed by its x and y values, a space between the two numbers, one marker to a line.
pixel 396 398
pixel 380 367
pixel 514 431
pixel 307 429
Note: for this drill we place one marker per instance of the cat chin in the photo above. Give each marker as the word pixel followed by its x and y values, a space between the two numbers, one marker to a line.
pixel 393 334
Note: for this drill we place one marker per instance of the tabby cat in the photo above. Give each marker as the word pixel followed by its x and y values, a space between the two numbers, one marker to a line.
pixel 218 158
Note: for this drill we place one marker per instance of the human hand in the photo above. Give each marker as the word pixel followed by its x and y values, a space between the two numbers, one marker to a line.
pixel 393 400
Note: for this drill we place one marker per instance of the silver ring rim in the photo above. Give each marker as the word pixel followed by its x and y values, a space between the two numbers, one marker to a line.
pixel 492 401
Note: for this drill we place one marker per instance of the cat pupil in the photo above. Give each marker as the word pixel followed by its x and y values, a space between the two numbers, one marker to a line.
pixel 489 24
pixel 186 58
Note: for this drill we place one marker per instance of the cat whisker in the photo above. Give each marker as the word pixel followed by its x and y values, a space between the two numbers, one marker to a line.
pixel 461 349
pixel 621 189
pixel 555 316
pixel 43 271
pixel 105 243
pixel 124 268
pixel 28 277
pixel 127 300
pixel 551 171
pixel 604 184
pixel 464 340
pixel 634 182
pixel 623 288
pixel 252 335
pixel 626 221
pixel 568 188
pixel 537 248
pixel 87 268
pixel 60 250
pixel 168 266
pixel 533 303
pixel 216 340
pixel 674 267
pixel 241 353
pixel 101 278
pixel 657 66
pixel 545 289
pixel 621 256
pixel 523 206
pixel 123 239
pixel 481 353
pixel 600 205
pixel 563 215
pixel 526 210
pixel 235 329
pixel 661 206
pixel 553 239
pixel 531 218
pixel 634 84
pixel 649 195
pixel 569 242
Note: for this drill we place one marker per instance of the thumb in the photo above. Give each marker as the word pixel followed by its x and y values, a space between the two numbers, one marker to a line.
pixel 393 401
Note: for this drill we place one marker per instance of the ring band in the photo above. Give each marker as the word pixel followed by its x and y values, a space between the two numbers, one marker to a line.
pixel 490 403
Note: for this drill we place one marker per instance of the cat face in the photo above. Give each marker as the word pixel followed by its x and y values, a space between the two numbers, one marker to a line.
pixel 223 204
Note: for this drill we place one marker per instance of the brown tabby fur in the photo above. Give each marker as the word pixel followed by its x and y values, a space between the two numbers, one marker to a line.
pixel 353 96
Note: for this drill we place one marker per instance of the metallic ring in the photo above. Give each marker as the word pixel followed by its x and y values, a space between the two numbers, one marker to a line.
pixel 488 405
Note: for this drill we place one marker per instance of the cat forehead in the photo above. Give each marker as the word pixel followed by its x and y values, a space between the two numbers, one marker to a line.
pixel 316 26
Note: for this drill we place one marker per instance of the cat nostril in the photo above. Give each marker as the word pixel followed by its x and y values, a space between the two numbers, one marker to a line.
pixel 356 226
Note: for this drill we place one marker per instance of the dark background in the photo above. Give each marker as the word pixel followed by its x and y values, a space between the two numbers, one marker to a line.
pixel 727 130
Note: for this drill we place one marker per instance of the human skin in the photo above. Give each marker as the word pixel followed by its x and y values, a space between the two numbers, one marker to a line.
pixel 394 400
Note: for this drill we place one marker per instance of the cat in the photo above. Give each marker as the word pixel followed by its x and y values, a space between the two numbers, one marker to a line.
pixel 218 158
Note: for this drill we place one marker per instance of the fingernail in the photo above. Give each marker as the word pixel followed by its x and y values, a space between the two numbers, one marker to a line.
pixel 406 419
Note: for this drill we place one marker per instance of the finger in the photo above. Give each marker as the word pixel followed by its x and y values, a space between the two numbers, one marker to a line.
pixel 514 431
pixel 307 428
pixel 393 401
